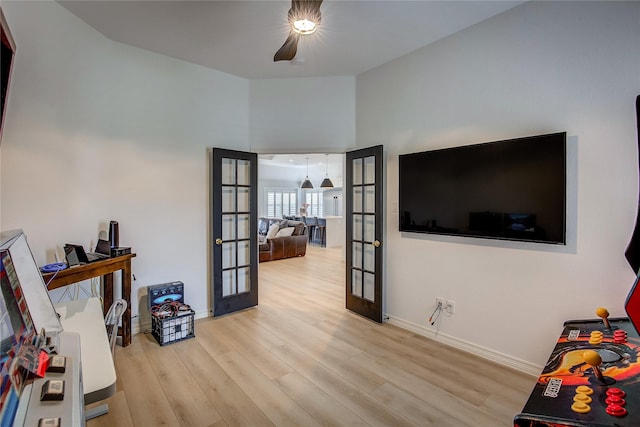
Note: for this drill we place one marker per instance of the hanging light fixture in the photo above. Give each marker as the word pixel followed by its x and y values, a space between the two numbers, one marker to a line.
pixel 307 184
pixel 326 182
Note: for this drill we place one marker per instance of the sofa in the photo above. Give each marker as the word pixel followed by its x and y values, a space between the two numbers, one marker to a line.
pixel 281 238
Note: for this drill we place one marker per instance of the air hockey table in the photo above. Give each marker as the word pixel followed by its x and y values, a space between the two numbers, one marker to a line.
pixel 592 378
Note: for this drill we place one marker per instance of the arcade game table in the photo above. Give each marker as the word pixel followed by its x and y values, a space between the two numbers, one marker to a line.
pixel 592 377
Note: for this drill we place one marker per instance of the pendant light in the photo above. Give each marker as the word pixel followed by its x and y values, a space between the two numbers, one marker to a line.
pixel 307 184
pixel 326 182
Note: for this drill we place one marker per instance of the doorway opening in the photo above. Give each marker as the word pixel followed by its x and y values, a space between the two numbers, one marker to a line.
pixel 281 193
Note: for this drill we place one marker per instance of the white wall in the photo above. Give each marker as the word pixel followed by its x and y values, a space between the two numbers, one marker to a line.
pixel 538 68
pixel 98 131
pixel 306 115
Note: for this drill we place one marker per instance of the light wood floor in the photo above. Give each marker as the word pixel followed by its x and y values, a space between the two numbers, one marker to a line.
pixel 301 359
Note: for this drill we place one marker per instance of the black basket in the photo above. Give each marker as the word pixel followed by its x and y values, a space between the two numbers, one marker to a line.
pixel 167 330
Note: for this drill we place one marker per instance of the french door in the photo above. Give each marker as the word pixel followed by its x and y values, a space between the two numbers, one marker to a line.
pixel 234 225
pixel 364 220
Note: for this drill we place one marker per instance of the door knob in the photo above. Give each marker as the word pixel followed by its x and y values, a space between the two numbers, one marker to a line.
pixel 218 241
pixel 376 243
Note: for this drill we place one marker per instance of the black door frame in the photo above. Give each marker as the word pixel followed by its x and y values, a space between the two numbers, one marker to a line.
pixel 369 309
pixel 228 304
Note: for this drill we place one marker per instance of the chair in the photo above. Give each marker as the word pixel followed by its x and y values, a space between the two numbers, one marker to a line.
pixel 321 232
pixel 111 321
pixel 311 222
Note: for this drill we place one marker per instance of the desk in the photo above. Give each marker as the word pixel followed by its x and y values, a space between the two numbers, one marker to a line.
pixel 71 408
pixel 84 317
pixel 104 268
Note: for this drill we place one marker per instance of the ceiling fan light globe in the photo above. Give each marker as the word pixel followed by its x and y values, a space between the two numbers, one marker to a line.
pixel 304 26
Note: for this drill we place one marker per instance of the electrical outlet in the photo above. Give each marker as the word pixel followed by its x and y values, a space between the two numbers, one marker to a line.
pixel 450 306
pixel 442 302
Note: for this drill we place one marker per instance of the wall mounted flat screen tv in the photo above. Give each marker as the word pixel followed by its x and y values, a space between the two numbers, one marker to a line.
pixel 513 190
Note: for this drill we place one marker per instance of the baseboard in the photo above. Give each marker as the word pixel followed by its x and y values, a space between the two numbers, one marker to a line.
pixel 494 356
pixel 140 327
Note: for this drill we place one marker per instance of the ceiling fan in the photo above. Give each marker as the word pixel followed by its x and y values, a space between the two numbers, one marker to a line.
pixel 304 18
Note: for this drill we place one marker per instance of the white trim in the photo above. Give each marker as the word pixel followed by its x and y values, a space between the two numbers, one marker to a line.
pixel 494 356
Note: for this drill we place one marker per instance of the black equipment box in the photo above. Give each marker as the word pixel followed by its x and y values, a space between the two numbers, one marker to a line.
pixel 120 251
pixel 165 292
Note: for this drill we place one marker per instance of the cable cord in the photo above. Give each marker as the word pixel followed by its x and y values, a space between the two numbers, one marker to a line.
pixel 436 313
pixel 436 317
pixel 95 289
pixel 46 285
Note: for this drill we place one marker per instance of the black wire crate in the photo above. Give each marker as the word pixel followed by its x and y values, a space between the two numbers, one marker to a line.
pixel 167 330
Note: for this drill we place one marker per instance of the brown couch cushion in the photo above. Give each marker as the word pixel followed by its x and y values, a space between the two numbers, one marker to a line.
pixel 299 227
pixel 263 245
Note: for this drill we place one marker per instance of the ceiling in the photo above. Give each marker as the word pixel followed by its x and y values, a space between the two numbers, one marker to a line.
pixel 240 37
pixel 293 167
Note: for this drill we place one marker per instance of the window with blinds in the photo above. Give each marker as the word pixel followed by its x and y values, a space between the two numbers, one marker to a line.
pixel 282 202
pixel 315 202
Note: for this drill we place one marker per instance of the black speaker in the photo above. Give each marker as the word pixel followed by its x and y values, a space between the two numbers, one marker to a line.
pixel 114 234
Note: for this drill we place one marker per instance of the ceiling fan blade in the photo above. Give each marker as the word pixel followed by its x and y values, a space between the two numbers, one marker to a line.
pixel 306 4
pixel 306 7
pixel 316 5
pixel 289 49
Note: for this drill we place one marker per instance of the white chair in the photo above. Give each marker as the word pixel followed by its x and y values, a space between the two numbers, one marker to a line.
pixel 112 320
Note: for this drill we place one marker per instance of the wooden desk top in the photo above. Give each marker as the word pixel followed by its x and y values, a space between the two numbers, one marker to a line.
pixel 82 272
pixel 104 268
